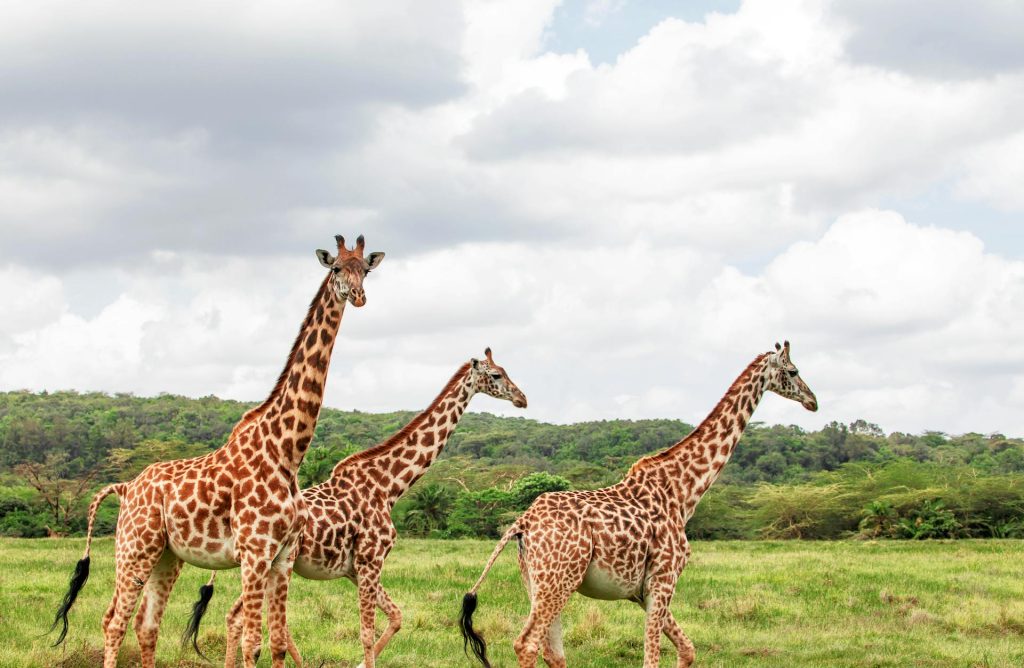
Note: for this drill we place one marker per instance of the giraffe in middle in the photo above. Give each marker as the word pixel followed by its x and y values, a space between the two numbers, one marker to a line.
pixel 348 531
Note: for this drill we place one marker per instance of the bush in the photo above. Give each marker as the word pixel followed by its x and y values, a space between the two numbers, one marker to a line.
pixel 528 488
pixel 481 514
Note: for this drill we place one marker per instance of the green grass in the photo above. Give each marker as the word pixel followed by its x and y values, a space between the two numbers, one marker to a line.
pixel 743 603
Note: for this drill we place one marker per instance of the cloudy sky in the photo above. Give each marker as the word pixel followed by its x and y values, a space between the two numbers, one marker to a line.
pixel 627 200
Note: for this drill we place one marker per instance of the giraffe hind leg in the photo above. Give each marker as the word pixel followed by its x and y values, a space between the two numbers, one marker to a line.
pixel 234 623
pixel 554 651
pixel 154 602
pixel 546 606
pixel 132 572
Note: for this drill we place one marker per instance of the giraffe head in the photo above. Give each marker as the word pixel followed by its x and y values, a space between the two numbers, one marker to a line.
pixel 489 378
pixel 349 269
pixel 785 380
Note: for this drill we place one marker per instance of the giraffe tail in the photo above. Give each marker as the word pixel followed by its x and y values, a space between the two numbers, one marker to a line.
pixel 81 574
pixel 191 634
pixel 470 637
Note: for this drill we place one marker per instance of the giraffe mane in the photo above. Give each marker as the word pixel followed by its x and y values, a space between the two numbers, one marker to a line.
pixel 653 459
pixel 252 413
pixel 413 424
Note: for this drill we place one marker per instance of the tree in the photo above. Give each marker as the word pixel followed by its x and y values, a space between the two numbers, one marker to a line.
pixel 479 513
pixel 319 462
pixel 60 494
pixel 428 508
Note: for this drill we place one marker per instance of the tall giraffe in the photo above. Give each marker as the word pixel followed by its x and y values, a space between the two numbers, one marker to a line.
pixel 348 532
pixel 237 506
pixel 628 541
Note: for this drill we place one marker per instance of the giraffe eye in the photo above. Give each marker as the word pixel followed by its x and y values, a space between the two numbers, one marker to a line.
pixel 496 376
pixel 792 373
pixel 335 269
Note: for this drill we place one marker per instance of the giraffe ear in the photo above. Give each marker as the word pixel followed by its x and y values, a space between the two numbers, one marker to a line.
pixel 374 260
pixel 326 259
pixel 475 362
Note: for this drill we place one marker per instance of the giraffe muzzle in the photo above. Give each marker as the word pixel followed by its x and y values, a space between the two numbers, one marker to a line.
pixel 357 297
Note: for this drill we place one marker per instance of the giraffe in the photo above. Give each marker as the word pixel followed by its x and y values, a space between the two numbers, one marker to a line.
pixel 238 506
pixel 628 541
pixel 348 531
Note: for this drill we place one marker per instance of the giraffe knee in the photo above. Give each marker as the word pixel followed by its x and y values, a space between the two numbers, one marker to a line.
pixel 396 620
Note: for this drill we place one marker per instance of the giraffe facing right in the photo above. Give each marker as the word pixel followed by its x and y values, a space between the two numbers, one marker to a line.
pixel 628 541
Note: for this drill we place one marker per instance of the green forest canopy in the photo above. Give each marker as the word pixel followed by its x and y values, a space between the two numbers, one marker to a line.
pixel 104 437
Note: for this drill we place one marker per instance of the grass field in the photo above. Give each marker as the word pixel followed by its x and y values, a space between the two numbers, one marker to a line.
pixel 743 604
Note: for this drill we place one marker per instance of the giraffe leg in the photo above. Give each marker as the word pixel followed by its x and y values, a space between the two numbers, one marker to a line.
pixel 546 605
pixel 685 651
pixel 255 573
pixel 133 569
pixel 154 602
pixel 281 643
pixel 235 622
pixel 554 651
pixel 659 596
pixel 368 576
pixel 394 615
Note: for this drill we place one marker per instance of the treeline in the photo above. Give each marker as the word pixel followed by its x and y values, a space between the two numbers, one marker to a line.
pixel 56 448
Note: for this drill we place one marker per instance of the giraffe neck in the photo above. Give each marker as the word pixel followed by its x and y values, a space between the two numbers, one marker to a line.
pixel 691 466
pixel 281 428
pixel 401 460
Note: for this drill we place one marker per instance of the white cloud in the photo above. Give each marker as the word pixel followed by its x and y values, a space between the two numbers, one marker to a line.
pixel 994 172
pixel 890 321
pixel 626 236
pixel 938 38
pixel 28 300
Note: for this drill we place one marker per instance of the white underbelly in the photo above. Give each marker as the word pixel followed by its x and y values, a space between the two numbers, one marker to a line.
pixel 214 557
pixel 315 571
pixel 598 583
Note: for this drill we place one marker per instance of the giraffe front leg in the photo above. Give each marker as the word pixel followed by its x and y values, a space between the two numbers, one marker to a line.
pixel 659 596
pixel 255 572
pixel 394 615
pixel 154 602
pixel 281 643
pixel 368 583
pixel 685 651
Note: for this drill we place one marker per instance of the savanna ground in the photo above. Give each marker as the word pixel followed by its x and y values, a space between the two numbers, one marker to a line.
pixel 957 603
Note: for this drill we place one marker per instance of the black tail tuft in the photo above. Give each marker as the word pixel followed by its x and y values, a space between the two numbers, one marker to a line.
pixel 78 579
pixel 471 638
pixel 191 633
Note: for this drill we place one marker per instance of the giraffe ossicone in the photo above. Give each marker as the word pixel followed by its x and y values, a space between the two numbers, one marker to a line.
pixel 238 506
pixel 628 541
